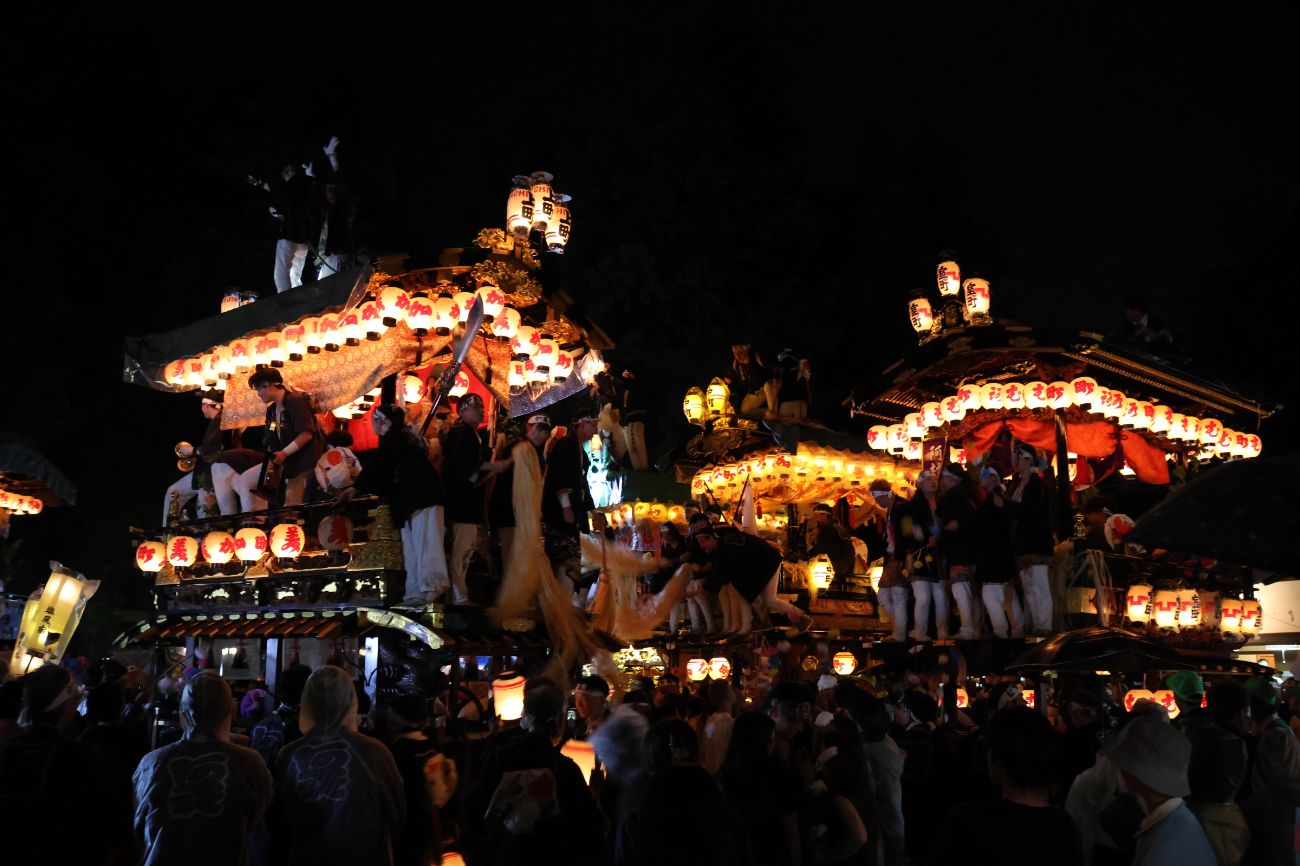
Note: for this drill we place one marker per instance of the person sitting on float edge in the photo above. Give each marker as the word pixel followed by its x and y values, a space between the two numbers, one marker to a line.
pixel 752 567
pixel 292 436
pixel 217 467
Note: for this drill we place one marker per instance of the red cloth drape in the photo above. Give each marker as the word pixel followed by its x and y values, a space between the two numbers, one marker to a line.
pixel 1146 460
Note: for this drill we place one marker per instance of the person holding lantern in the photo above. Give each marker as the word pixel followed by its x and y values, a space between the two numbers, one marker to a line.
pixel 1031 539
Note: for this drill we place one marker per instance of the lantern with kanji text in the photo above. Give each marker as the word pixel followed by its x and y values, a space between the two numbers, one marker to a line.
pixel 1129 412
pixel 963 699
pixel 295 340
pixel 1209 431
pixel 464 303
pixel 334 532
pixel 419 315
pixel 1058 395
pixel 1166 699
pixel 717 398
pixel 948 277
pixel 719 667
pixel 445 315
pixel 844 663
pixel 494 300
pixel 1165 607
pixel 519 212
pixel 1161 418
pixel 543 205
pixel 991 395
pixel 897 438
pixel 912 421
pixel 250 544
pixel 1013 395
pixel 372 320
pixel 1146 415
pixel 287 541
pixel 150 556
pixel 393 303
pixel 1252 617
pixel 517 374
pixel 978 298
pixel 1230 610
pixel 460 387
pixel 971 397
pixel 693 406
pixel 1132 696
pixel 329 331
pixel 218 547
pixel 558 229
pixel 1083 391
pixel 951 409
pixel 1137 601
pixel 821 571
pixel 413 388
pixel 525 342
pixel 506 324
pixel 1035 395
pixel 182 551
pixel 49 620
pixel 1254 445
pixel 1189 608
pixel 1112 403
pixel 563 366
pixel 921 314
pixel 697 669
pixel 931 416
pixel 878 437
pixel 547 351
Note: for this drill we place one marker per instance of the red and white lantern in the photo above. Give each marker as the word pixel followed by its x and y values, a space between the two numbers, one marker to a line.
pixel 1035 395
pixel 494 300
pixel 1058 395
pixel 1013 395
pixel 150 556
pixel 250 544
pixel 419 314
pixel 921 315
pixel 218 547
pixel 931 416
pixel 334 532
pixel 1083 391
pixel 948 277
pixel 287 541
pixel 525 342
pixel 991 396
pixel 182 551
pixel 393 303
pixel 878 437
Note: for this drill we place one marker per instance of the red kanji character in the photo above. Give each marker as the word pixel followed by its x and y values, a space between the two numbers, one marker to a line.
pixel 338 531
pixel 179 552
pixel 292 540
pixel 228 546
pixel 369 312
pixel 144 554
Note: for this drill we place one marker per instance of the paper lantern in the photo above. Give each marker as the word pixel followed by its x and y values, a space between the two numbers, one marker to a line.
pixel 287 541
pixel 878 437
pixel 451 858
pixel 1166 699
pixel 1083 391
pixel 312 338
pixel 912 421
pixel 218 547
pixel 350 327
pixel 516 375
pixel 1138 602
pixel 897 438
pixel 525 342
pixel 1035 395
pixel 372 320
pixel 562 368
pixel 1190 429
pixel 963 699
pixel 460 387
pixel 717 398
pixel 329 331
pixel 273 347
pixel 1030 697
pixel 419 315
pixel 1058 395
pixel 182 551
pixel 393 303
pixel 250 544
pixel 1013 396
pixel 543 206
pixel 844 663
pixel 1177 423
pixel 1252 617
pixel 1165 608
pixel 821 571
pixel 697 670
pixel 1132 696
pixel 557 233
pixel 1113 404
pixel 977 297
pixel 413 388
pixel 1161 418
pixel 445 315
pixel 494 301
pixel 1224 445
pixel 1128 412
pixel 693 406
pixel 991 395
pixel 223 361
pixel 1210 430
pixel 921 315
pixel 582 753
pixel 1230 610
pixel 519 212
pixel 931 415
pixel 1145 417
pixel 547 351
pixel 174 373
pixel 912 451
pixel 536 374
pixel 464 303
pixel 948 277
pixel 970 397
pixel 1254 445
pixel 951 409
pixel 150 556
pixel 334 532
pixel 719 667
pixel 506 324
pixel 1189 608
pixel 49 620
pixel 508 696
pixel 295 341
pixel 195 371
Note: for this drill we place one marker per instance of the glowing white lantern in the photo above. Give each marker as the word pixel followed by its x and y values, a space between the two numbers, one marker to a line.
pixel 464 303
pixel 719 667
pixel 558 229
pixel 1166 608
pixel 543 206
pixel 1252 617
pixel 582 753
pixel 313 338
pixel 948 276
pixel 419 314
pixel 287 541
pixel 1254 445
pixel 1129 412
pixel 1132 696
pixel 1230 610
pixel 1166 699
pixel 445 315
pixel 844 663
pixel 1058 395
pixel 508 696
pixel 1035 395
pixel 182 551
pixel 563 366
pixel 912 421
pixel 525 342
pixel 224 360
pixel 372 320
pixel 174 373
pixel 963 699
pixel 1013 395
pixel 878 437
pixel 460 387
pixel 272 346
pixel 717 398
pixel 334 532
pixel 295 340
pixel 494 300
pixel 250 544
pixel 218 547
pixel 1161 417
pixel 1209 607
pixel 697 670
pixel 951 409
pixel 977 299
pixel 393 303
pixel 991 395
pixel 1189 608
pixel 970 397
pixel 1146 415
pixel 931 416
pixel 516 375
pixel 547 352
pixel 1137 601
pixel 413 388
pixel 1224 445
pixel 693 406
pixel 329 331
pixel 1083 391
pixel 195 372
pixel 49 620
pixel 1113 404
pixel 1210 431
pixel 921 315
pixel 519 212
pixel 150 556
pixel 821 571
pixel 1177 424
pixel 506 324
pixel 897 438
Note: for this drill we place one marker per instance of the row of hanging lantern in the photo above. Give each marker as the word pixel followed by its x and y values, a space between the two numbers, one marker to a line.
pixel 716 668
pixel 534 206
pixel 1209 434
pixel 19 504
pixel 1187 608
pixel 247 545
pixel 975 300
pixel 726 481
pixel 630 512
pixel 541 360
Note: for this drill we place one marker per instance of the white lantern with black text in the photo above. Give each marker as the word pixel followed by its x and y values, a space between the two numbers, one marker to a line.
pixel 921 315
pixel 977 300
pixel 519 213
pixel 948 278
pixel 1137 602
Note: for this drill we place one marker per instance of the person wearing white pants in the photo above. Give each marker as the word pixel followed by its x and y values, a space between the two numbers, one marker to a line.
pixel 965 592
pixel 1032 541
pixel 423 556
pixel 1003 605
pixel 929 592
pixel 222 464
pixel 1035 577
pixel 738 559
pixel 996 566
pixel 893 598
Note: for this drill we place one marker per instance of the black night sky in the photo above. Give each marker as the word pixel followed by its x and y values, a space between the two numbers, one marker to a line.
pixel 786 179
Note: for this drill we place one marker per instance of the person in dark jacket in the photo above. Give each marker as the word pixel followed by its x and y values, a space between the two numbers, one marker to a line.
pixel 464 456
pixel 1031 539
pixel 399 471
pixel 994 562
pixel 958 544
pixel 501 502
pixel 293 438
pixel 565 500
pixel 217 468
pixel 752 567
pixel 919 539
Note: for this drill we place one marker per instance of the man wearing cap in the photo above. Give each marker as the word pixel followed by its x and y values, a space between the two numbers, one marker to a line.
pixel 501 506
pixel 293 438
pixel 464 463
pixel 1152 758
pixel 1189 690
pixel 197 800
pixel 1274 779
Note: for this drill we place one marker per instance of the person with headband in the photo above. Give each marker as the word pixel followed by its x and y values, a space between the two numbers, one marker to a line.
pixel 217 467
pixel 339 793
pixel 197 800
pixel 994 563
pixel 1031 540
